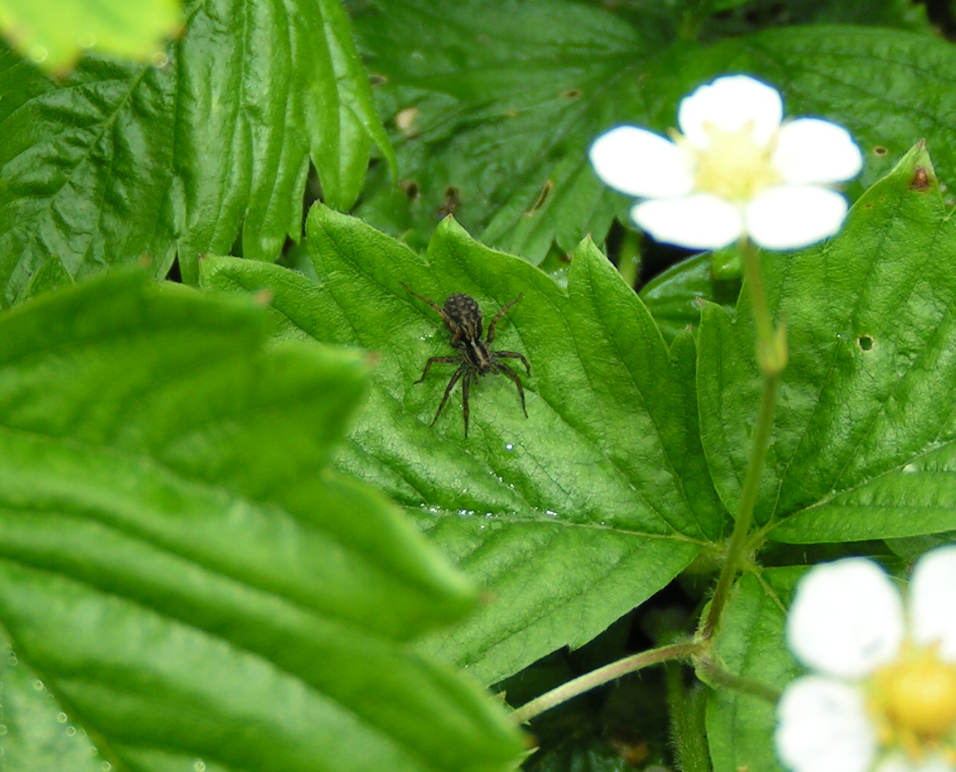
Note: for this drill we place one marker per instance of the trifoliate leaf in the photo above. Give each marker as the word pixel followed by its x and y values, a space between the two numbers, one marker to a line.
pixel 569 517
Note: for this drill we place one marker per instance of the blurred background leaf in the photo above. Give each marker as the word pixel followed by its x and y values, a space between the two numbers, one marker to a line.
pixel 493 105
pixel 53 33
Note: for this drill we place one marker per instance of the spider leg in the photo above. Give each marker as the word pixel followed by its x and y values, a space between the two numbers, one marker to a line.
pixel 501 312
pixel 466 382
pixel 501 367
pixel 451 384
pixel 438 309
pixel 432 361
pixel 514 355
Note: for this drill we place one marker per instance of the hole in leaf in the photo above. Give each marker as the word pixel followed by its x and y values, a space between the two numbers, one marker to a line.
pixel 410 189
pixel 880 150
pixel 865 342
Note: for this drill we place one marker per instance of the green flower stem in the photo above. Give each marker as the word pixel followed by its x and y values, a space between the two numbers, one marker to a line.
pixel 611 672
pixel 771 358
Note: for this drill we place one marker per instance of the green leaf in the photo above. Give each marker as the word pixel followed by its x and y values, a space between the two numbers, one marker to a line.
pixel 864 436
pixel 673 297
pixel 494 106
pixel 36 733
pixel 53 33
pixel 499 104
pixel 182 574
pixel 751 644
pixel 122 162
pixel 569 517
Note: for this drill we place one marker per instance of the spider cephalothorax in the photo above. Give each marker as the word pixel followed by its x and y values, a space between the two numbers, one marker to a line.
pixel 462 316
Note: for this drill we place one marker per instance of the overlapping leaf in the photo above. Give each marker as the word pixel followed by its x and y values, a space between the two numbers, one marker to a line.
pixel 122 162
pixel 864 439
pixel 569 517
pixel 495 105
pixel 182 575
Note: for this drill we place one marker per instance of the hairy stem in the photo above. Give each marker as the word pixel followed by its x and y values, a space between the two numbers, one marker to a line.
pixel 588 681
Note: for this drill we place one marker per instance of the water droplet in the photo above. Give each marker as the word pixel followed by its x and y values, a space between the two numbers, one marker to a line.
pixel 909 468
pixel 466 512
pixel 160 59
pixel 38 53
pixel 38 685
pixel 199 765
pixel 70 731
pixel 61 717
pixel 550 513
pixel 12 660
pixel 509 446
pixel 3 729
pixel 106 766
pixel 87 40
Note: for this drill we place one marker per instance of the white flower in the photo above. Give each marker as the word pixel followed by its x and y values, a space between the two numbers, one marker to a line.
pixel 735 170
pixel 883 695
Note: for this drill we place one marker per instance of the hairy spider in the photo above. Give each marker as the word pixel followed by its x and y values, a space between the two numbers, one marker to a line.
pixel 462 316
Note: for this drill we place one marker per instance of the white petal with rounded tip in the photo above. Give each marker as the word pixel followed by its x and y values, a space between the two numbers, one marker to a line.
pixel 822 727
pixel 791 216
pixel 701 221
pixel 815 151
pixel 932 599
pixel 729 103
pixel 641 163
pixel 846 618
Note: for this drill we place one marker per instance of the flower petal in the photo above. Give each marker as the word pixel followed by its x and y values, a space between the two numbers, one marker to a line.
pixel 932 598
pixel 701 221
pixel 899 762
pixel 815 151
pixel 640 163
pixel 823 727
pixel 846 618
pixel 730 103
pixel 791 216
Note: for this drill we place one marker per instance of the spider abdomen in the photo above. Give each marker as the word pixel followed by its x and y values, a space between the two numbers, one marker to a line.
pixel 463 317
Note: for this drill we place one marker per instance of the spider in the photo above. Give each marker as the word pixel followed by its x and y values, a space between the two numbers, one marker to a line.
pixel 462 316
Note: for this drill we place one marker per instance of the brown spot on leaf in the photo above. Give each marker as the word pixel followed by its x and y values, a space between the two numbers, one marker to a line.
pixel 880 150
pixel 450 202
pixel 921 181
pixel 571 93
pixel 542 197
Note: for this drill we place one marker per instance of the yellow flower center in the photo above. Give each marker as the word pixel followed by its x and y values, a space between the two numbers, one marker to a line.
pixel 733 166
pixel 913 701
